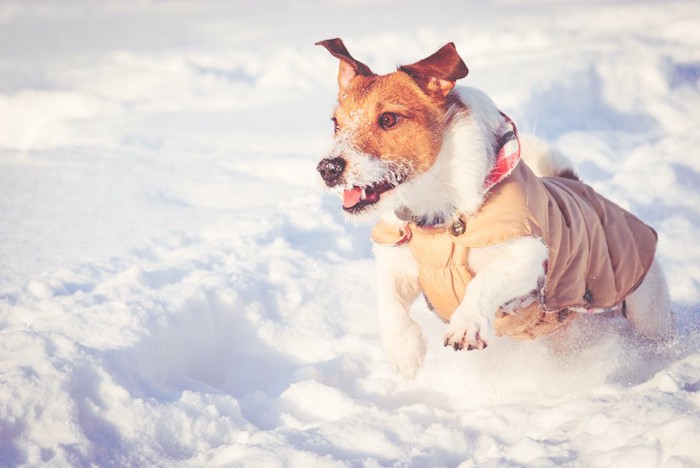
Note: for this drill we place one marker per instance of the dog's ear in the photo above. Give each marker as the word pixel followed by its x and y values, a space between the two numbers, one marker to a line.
pixel 437 74
pixel 349 67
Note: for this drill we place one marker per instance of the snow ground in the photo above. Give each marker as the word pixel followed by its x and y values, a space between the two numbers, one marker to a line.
pixel 176 288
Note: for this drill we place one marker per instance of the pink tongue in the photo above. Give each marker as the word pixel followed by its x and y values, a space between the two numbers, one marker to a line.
pixel 352 197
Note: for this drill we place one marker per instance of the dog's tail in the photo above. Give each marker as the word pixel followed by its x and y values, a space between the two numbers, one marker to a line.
pixel 544 160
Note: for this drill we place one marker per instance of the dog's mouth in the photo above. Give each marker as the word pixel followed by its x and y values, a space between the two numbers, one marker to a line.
pixel 357 198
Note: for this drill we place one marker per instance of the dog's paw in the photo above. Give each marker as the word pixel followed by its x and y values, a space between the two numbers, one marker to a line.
pixel 465 331
pixel 405 348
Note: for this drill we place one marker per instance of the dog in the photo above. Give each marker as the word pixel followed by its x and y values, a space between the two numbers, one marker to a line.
pixel 495 229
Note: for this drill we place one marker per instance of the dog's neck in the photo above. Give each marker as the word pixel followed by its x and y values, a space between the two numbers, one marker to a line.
pixel 480 148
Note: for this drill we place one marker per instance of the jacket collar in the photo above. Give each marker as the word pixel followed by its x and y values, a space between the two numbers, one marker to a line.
pixel 508 155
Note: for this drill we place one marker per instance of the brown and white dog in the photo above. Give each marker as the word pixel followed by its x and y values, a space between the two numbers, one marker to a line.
pixel 496 249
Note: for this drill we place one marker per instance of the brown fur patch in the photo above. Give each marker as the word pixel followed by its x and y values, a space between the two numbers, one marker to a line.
pixel 416 138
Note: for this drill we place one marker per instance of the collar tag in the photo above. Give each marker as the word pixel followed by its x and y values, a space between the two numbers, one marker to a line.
pixel 458 227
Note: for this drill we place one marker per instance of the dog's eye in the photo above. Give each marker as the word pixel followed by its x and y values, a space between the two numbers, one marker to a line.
pixel 336 127
pixel 388 120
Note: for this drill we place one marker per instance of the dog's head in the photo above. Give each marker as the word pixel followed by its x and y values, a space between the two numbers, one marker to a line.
pixel 389 128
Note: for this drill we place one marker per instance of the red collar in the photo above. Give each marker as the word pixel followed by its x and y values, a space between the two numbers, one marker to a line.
pixel 508 155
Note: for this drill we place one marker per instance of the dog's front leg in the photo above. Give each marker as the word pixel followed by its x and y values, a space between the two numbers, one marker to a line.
pixel 397 289
pixel 502 273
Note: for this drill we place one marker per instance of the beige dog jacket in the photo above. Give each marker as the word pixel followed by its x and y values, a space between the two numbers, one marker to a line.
pixel 598 252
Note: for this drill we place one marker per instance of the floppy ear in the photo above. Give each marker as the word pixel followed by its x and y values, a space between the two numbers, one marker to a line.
pixel 349 67
pixel 437 74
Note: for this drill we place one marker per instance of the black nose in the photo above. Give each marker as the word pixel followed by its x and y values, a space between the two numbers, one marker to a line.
pixel 330 169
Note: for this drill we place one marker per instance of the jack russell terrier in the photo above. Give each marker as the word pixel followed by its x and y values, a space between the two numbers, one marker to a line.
pixel 495 229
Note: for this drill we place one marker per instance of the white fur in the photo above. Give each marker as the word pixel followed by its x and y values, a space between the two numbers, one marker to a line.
pixel 542 158
pixel 502 273
pixel 455 182
pixel 397 288
pixel 649 306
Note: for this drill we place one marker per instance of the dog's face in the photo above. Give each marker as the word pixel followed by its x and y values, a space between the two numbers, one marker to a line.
pixel 388 129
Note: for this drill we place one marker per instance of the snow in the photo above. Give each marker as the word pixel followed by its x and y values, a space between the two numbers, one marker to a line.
pixel 177 289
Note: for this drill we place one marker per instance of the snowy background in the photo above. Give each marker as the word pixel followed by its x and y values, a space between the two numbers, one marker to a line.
pixel 176 287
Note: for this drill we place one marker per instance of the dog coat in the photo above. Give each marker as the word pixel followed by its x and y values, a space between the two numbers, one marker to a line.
pixel 598 252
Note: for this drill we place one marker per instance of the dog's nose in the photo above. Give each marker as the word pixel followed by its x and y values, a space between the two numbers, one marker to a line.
pixel 330 169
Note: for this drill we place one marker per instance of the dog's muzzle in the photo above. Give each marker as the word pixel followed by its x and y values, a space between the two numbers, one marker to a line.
pixel 331 170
